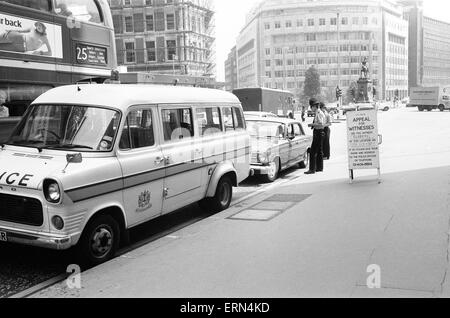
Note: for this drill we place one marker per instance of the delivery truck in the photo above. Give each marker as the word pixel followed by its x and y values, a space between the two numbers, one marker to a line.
pixel 268 100
pixel 429 98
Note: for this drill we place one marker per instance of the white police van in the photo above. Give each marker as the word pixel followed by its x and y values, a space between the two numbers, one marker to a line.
pixel 89 162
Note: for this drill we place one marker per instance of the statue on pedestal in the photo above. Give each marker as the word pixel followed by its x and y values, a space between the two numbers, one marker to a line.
pixel 364 69
pixel 365 87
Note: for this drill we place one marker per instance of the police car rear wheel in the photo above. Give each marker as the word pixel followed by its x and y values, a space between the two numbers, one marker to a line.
pixel 100 240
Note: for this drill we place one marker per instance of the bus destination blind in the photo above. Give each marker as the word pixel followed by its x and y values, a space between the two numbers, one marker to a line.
pixel 89 54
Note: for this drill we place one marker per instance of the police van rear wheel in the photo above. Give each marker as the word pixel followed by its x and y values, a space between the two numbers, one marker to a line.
pixel 222 199
pixel 100 240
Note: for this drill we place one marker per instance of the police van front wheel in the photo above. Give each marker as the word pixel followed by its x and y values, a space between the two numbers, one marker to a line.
pixel 99 241
pixel 222 199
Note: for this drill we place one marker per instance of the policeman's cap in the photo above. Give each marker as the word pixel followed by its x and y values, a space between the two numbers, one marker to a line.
pixel 314 102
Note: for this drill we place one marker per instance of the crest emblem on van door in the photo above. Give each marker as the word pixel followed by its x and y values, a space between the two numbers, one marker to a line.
pixel 144 201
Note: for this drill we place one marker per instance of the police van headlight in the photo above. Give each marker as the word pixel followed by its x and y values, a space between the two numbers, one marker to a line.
pixel 52 191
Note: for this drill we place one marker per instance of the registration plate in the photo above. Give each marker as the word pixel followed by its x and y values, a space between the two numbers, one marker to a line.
pixel 3 237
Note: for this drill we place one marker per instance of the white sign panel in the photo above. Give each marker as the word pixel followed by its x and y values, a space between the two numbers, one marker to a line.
pixel 363 144
pixel 25 36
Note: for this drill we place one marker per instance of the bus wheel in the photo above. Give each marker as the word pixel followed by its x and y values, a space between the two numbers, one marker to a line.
pixel 441 108
pixel 222 199
pixel 420 109
pixel 429 109
pixel 100 240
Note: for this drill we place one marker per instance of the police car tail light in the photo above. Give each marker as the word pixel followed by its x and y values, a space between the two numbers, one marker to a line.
pixel 52 191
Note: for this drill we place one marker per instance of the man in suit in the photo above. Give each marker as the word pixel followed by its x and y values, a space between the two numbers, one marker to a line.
pixel 316 152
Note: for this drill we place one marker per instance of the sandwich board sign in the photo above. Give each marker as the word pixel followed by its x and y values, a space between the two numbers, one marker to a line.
pixel 363 141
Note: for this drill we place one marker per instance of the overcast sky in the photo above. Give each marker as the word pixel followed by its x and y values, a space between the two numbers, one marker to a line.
pixel 230 18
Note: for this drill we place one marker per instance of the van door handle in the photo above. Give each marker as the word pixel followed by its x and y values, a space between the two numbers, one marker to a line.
pixel 159 160
pixel 167 160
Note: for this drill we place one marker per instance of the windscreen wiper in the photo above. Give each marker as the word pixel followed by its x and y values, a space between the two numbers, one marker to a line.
pixel 68 146
pixel 26 143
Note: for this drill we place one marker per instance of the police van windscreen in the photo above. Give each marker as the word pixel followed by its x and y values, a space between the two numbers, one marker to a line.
pixel 63 127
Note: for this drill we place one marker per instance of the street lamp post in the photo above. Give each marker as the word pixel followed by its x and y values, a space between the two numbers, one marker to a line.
pixel 338 14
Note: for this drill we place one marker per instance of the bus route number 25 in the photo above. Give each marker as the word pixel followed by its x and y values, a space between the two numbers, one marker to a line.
pixel 82 54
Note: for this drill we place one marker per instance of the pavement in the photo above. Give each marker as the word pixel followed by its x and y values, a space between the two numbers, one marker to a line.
pixel 312 236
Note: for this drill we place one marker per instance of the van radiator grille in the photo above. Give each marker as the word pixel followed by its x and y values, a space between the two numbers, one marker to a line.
pixel 22 210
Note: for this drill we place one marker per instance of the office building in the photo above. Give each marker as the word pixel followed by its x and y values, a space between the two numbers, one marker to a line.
pixel 165 36
pixel 282 39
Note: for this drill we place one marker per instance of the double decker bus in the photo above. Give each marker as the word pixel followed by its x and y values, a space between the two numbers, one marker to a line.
pixel 49 43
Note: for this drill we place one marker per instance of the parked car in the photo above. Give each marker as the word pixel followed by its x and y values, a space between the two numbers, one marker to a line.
pixel 277 144
pixel 259 114
pixel 361 106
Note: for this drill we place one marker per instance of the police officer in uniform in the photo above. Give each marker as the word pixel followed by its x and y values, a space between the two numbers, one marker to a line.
pixel 316 152
pixel 327 130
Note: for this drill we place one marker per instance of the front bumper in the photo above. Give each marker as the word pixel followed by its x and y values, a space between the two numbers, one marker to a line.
pixel 259 169
pixel 38 239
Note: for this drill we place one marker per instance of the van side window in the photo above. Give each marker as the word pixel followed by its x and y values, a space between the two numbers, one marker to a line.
pixel 208 120
pixel 138 130
pixel 228 120
pixel 177 124
pixel 238 118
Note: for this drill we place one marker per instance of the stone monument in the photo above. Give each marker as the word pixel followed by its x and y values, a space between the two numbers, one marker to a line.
pixel 364 92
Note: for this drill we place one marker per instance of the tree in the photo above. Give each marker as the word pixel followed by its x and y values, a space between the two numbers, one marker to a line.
pixel 312 83
pixel 352 92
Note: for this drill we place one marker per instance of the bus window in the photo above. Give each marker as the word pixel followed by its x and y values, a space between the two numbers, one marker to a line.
pixel 42 5
pixel 84 10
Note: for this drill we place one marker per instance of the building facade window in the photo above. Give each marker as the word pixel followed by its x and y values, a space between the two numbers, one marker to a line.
pixel 130 53
pixel 171 49
pixel 150 22
pixel 151 51
pixel 129 24
pixel 170 18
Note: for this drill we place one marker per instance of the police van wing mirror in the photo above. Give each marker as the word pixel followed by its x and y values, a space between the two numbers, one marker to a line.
pixel 73 158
